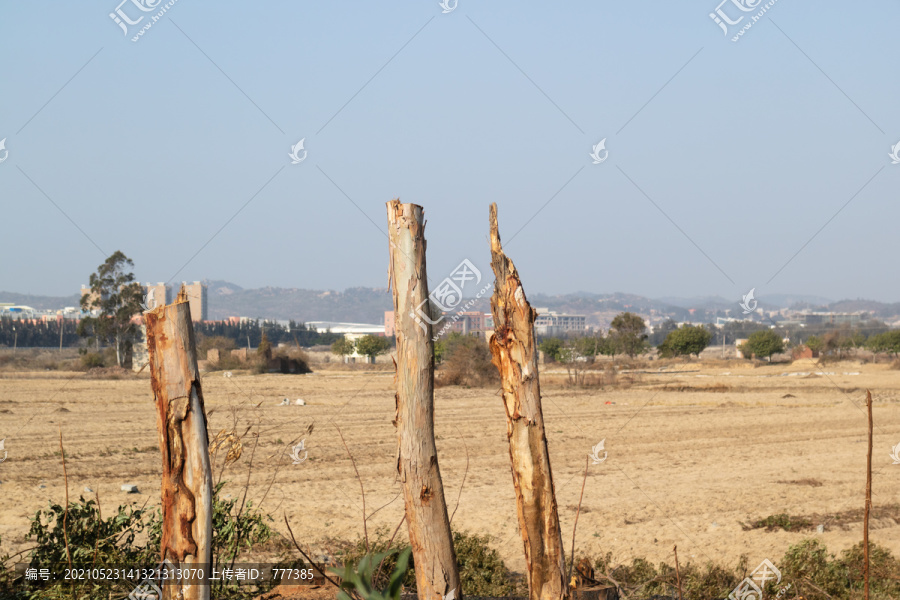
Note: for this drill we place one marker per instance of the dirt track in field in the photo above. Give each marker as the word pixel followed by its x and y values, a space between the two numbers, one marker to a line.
pixel 691 454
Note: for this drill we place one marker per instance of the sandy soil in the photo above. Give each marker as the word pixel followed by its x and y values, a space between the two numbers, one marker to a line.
pixel 692 454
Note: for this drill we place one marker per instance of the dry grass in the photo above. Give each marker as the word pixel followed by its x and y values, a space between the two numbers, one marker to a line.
pixel 684 467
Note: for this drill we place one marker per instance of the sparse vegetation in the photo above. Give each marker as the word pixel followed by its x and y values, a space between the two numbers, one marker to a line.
pixel 781 521
pixel 466 361
pixel 807 567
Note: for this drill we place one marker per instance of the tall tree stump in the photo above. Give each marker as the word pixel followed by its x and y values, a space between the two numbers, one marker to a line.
pixel 423 492
pixel 514 354
pixel 181 424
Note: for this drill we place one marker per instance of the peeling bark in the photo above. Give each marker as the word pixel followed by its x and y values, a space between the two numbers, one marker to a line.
pixel 437 573
pixel 183 442
pixel 514 354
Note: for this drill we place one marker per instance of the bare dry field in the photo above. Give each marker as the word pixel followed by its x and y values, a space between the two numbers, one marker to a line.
pixel 693 452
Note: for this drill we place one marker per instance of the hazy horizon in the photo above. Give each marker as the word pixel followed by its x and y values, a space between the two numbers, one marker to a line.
pixel 771 298
pixel 762 163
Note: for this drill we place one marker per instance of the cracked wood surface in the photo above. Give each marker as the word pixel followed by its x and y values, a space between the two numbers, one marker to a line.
pixel 437 573
pixel 514 354
pixel 183 442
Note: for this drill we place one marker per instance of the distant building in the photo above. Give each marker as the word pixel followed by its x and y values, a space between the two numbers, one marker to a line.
pixel 158 295
pixel 86 291
pixel 197 298
pixel 451 322
pixel 464 323
pixel 16 311
pixel 829 318
pixel 804 351
pixel 549 322
pixel 140 356
pixel 347 329
pixel 388 323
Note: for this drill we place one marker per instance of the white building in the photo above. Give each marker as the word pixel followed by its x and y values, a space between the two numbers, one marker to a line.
pixel 358 329
pixel 549 322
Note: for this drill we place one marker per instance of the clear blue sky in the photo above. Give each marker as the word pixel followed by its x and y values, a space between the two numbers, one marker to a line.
pixel 750 148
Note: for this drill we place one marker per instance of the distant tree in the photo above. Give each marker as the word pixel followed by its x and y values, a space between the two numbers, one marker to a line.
pixel 889 342
pixel 837 343
pixel 814 343
pixel 248 333
pixel 735 330
pixel 343 347
pixel 116 297
pixel 685 341
pixel 440 349
pixel 627 330
pixel 660 334
pixel 857 339
pixel 576 352
pixel 763 344
pixel 606 345
pixel 372 346
pixel 551 347
pixel 264 350
pixel 589 346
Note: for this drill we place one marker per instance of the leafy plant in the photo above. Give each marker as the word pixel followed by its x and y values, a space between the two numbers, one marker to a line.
pixel 358 581
pixel 112 542
pixel 91 540
pixel 233 529
pixel 481 570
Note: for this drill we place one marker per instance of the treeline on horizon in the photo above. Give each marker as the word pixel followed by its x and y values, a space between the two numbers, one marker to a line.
pixel 628 335
pixel 26 334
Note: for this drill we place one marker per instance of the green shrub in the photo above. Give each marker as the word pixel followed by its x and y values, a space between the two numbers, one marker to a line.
pixel 481 570
pixel 92 541
pixel 884 570
pixel 112 542
pixel 353 553
pixel 814 574
pixel 360 578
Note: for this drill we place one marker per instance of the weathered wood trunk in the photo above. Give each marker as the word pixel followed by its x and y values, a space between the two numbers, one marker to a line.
pixel 426 511
pixel 514 354
pixel 181 424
